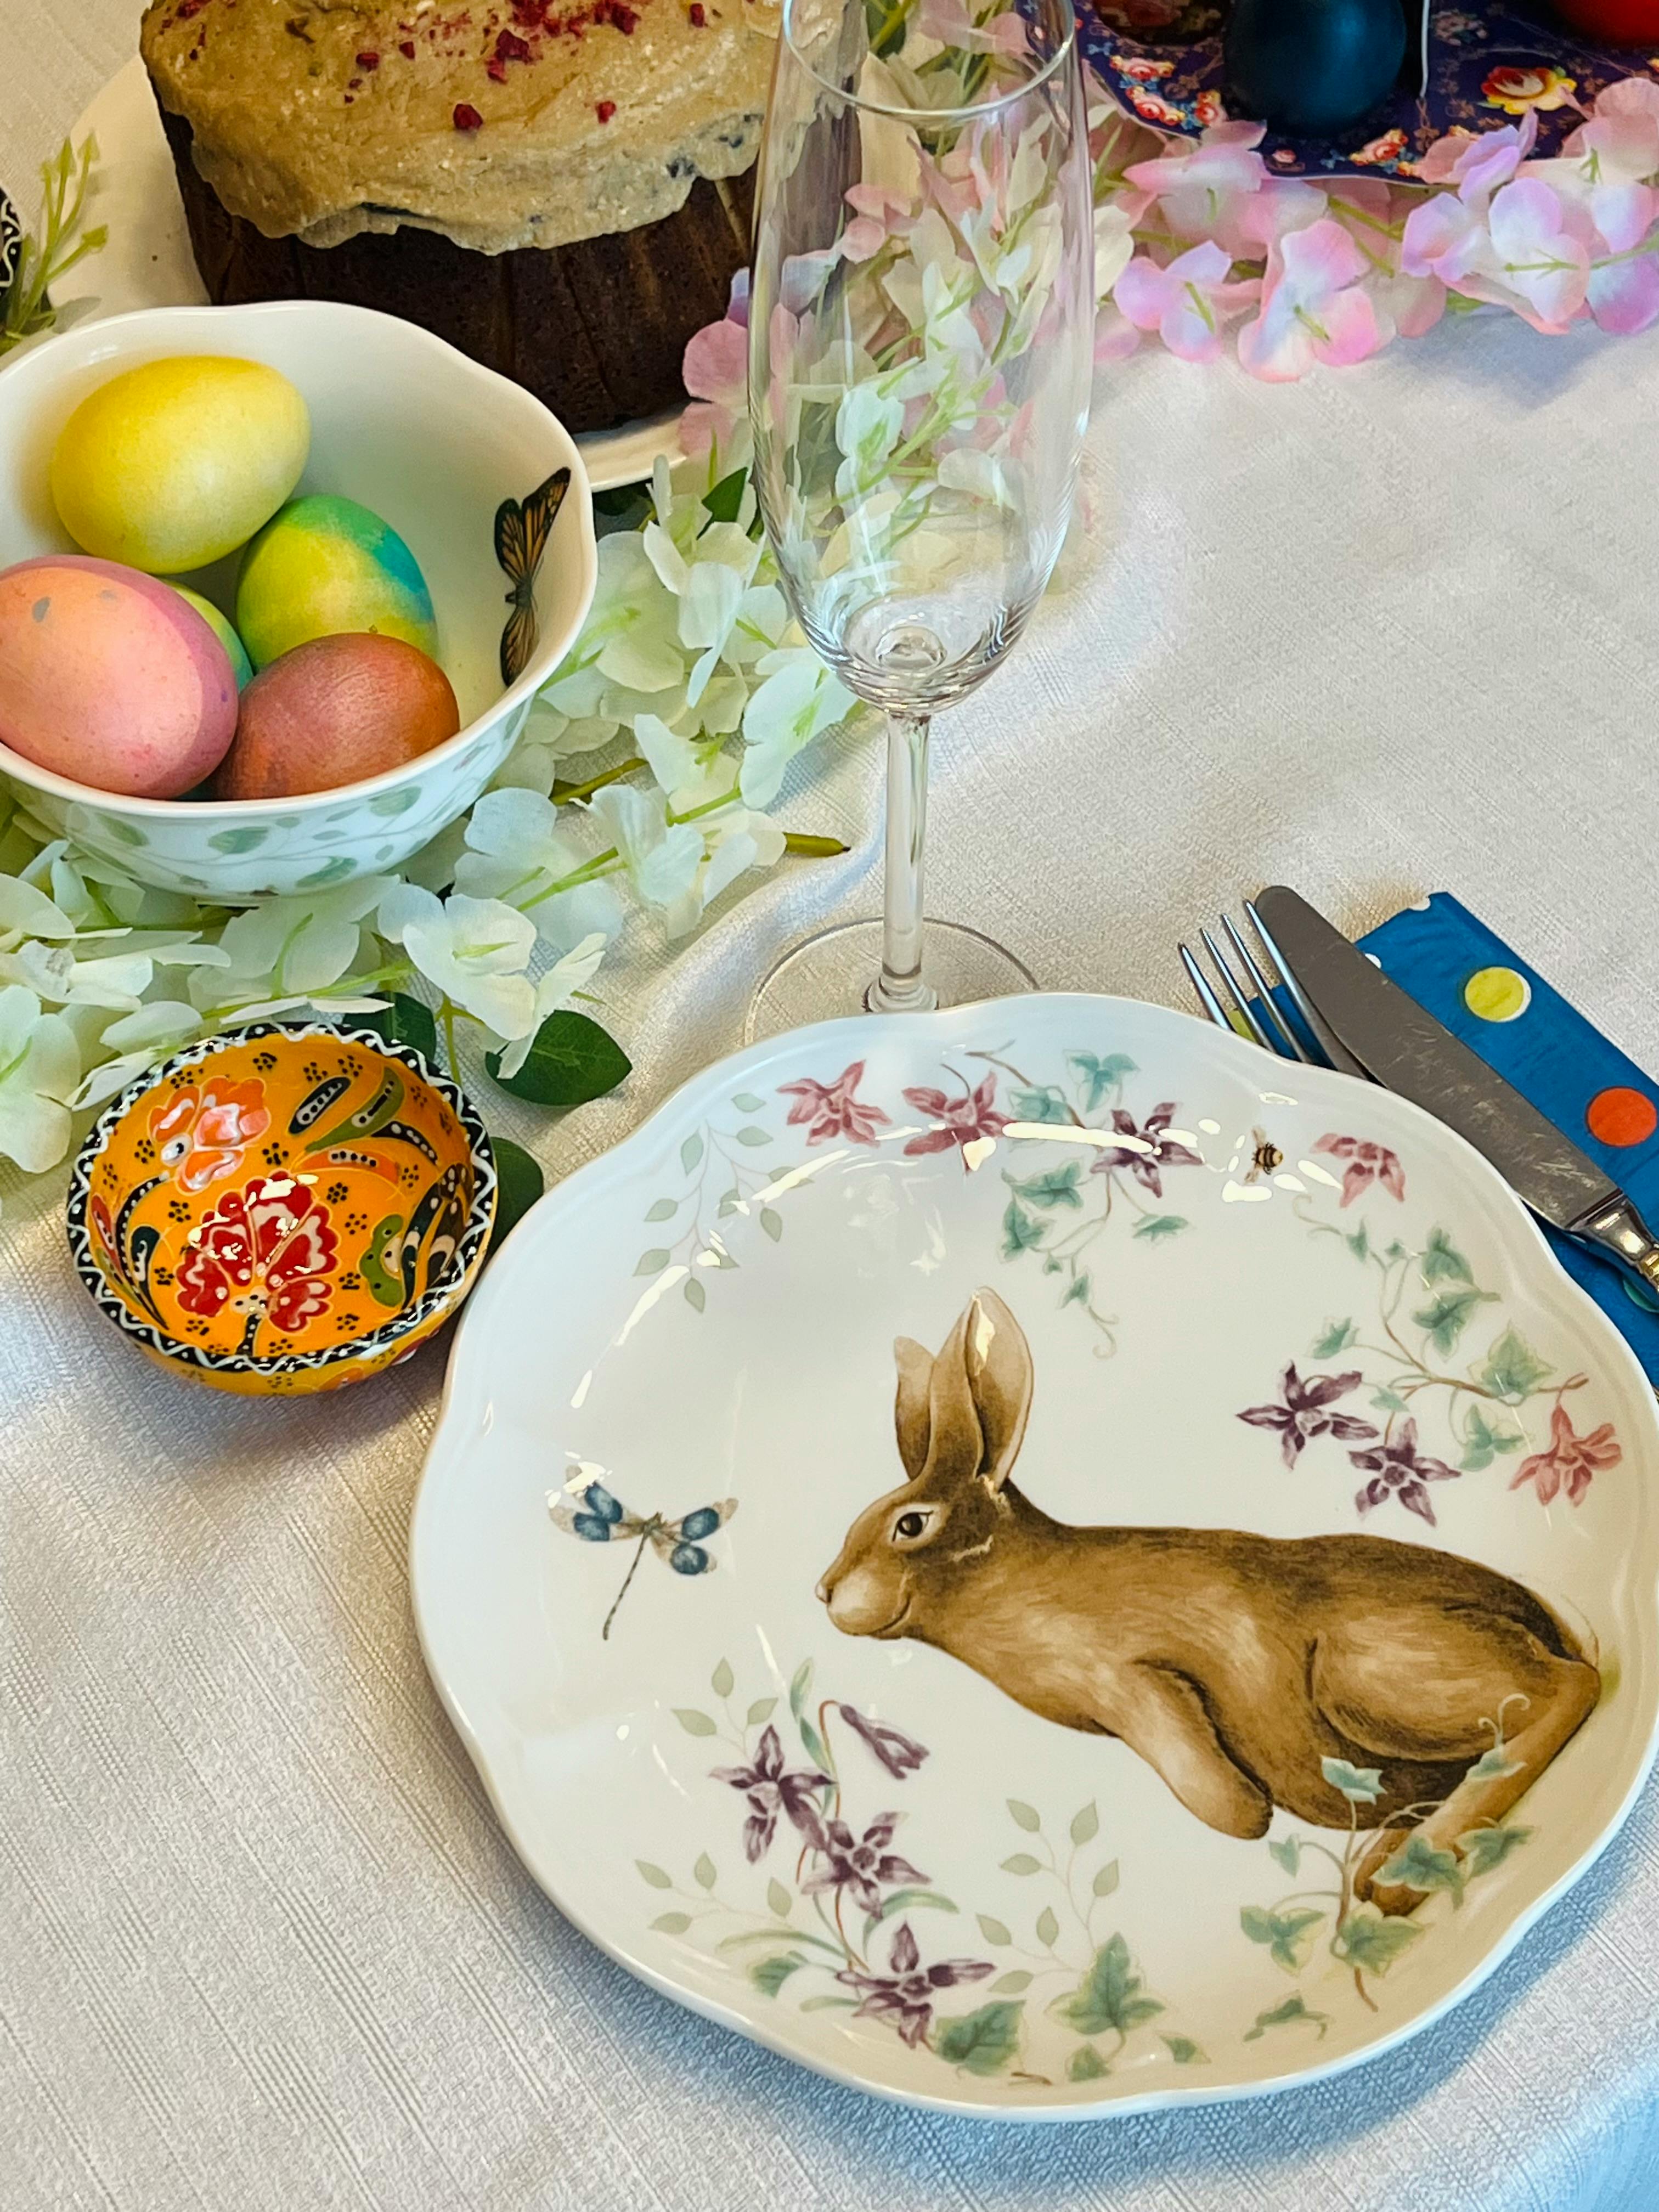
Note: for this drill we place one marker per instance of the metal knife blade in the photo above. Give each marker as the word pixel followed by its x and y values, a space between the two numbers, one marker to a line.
pixel 1408 1051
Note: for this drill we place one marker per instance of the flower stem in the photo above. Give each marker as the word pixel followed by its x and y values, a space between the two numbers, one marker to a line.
pixel 566 795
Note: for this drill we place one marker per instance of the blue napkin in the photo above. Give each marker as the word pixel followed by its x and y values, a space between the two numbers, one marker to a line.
pixel 1469 979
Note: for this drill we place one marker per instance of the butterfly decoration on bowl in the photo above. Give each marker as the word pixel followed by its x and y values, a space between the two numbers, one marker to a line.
pixel 586 1509
pixel 522 530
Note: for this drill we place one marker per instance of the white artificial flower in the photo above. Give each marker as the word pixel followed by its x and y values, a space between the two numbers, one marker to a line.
pixel 513 850
pixel 55 976
pixel 138 1039
pixel 798 699
pixel 631 634
pixel 738 842
pixel 661 858
pixel 476 952
pixel 1114 246
pixel 554 991
pixel 40 1067
pixel 867 426
pixel 982 476
pixel 25 909
pixel 294 946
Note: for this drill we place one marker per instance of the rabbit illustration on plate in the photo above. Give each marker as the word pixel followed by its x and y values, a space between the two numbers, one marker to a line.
pixel 1234 1664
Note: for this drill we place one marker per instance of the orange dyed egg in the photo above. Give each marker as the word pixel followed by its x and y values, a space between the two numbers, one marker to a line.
pixel 110 679
pixel 333 712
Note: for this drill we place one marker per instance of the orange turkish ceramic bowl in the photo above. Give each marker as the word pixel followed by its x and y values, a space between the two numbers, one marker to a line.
pixel 283 1210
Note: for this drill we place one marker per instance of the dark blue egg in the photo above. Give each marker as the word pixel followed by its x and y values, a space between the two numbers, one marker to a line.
pixel 688 1558
pixel 1312 66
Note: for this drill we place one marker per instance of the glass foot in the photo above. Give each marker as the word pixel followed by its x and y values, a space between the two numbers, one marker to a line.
pixel 831 973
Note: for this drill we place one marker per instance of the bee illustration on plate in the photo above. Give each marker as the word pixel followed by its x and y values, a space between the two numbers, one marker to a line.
pixel 1264 1157
pixel 586 1509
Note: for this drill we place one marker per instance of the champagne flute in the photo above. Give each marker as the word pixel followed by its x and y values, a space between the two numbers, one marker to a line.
pixel 920 345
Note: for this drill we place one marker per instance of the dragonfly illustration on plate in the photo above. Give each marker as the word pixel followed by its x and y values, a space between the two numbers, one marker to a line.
pixel 586 1509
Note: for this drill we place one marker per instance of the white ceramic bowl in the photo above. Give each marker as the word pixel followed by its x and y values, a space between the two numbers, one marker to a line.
pixel 410 427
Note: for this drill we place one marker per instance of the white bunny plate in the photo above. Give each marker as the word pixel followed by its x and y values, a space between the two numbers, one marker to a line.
pixel 1043 1564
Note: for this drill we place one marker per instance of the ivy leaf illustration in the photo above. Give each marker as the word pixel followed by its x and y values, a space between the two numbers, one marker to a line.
pixel 1289 1937
pixel 761 1709
pixel 664 1210
pixel 1493 1764
pixel 1021 1231
pixel 672 1923
pixel 1293 2011
pixel 1022 1862
pixel 1041 1105
pixel 1105 1879
pixel 1158 1228
pixel 1441 1261
pixel 722 1681
pixel 1446 1315
pixel 696 1295
pixel 1059 1186
pixel 1108 1996
pixel 1077 1293
pixel 1370 1943
pixel 1389 1401
pixel 747 1102
pixel 993 1931
pixel 690 1153
pixel 1513 1368
pixel 752 1137
pixel 1360 1786
pixel 779 1899
pixel 1286 1852
pixel 1025 1816
pixel 770 1975
pixel 1419 1865
pixel 1087 2064
pixel 1482 1442
pixel 772 1223
pixel 1012 1986
pixel 1336 1336
pixel 655 1875
pixel 703 1873
pixel 980 2042
pixel 652 1262
pixel 1185 2051
pixel 1485 1848
pixel 1048 1927
pixel 1086 1825
pixel 1100 1078
pixel 1360 1244
pixel 693 1722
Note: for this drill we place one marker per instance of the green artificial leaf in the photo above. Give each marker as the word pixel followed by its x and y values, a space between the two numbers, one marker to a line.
pixel 1493 1764
pixel 752 1137
pixel 1482 1442
pixel 664 1210
pixel 772 1223
pixel 696 1296
pixel 656 1876
pixel 1185 2051
pixel 779 1899
pixel 770 1975
pixel 1286 1851
pixel 1442 1262
pixel 690 1153
pixel 722 1681
pixel 1061 1186
pixel 571 1060
pixel 993 1931
pixel 1100 1078
pixel 1087 2064
pixel 1108 1996
pixel 1021 1231
pixel 1360 1244
pixel 520 1183
pixel 1012 1986
pixel 703 1873
pixel 625 506
pixel 1086 1825
pixel 1293 2012
pixel 1048 1927
pixel 726 497
pixel 1158 1228
pixel 1372 1941
pixel 404 1020
pixel 1046 1104
pixel 979 2042
pixel 1485 1848
pixel 747 1102
pixel 1336 1336
pixel 1446 1314
pixel 1289 1937
pixel 908 1900
pixel 1513 1368
pixel 1360 1786
pixel 1105 1881
pixel 672 1923
pixel 761 1709
pixel 1419 1865
pixel 1077 1292
pixel 694 1723
pixel 1025 1816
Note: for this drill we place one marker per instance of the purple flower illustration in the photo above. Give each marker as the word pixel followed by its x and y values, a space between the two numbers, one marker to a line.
pixel 1304 1412
pixel 863 1865
pixel 956 1120
pixel 899 1754
pixel 1151 1151
pixel 771 1791
pixel 904 1996
pixel 1397 1471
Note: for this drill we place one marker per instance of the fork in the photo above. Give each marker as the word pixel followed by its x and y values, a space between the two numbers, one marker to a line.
pixel 1261 1017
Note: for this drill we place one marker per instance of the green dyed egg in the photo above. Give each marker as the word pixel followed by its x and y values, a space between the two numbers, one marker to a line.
pixel 325 567
pixel 240 664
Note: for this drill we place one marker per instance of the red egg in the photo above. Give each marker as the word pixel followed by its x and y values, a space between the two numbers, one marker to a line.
pixel 335 711
pixel 110 679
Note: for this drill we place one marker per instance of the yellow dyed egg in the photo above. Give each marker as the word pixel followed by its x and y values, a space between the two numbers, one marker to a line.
pixel 176 463
pixel 327 568
pixel 241 666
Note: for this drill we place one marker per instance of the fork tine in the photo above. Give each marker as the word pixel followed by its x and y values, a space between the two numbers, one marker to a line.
pixel 1201 983
pixel 1335 1052
pixel 1289 1045
pixel 1252 1028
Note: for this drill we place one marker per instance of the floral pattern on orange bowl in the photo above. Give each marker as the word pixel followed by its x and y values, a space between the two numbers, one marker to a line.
pixel 283 1210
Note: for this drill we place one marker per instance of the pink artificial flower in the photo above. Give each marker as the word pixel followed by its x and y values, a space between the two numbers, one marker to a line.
pixel 1540 262
pixel 1478 165
pixel 1115 336
pixel 1624 296
pixel 1257 220
pixel 1631 95
pixel 834 1109
pixel 1367 1162
pixel 949 21
pixel 1570 1461
pixel 1312 306
pixel 1197 186
pixel 1189 303
pixel 715 371
pixel 1443 238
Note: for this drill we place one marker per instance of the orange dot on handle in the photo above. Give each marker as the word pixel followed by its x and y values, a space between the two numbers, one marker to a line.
pixel 1621 1116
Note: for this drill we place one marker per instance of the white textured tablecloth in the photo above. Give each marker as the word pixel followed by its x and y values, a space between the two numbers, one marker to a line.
pixel 261 1943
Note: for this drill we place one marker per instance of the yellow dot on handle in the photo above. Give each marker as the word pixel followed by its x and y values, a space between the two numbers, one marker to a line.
pixel 1496 994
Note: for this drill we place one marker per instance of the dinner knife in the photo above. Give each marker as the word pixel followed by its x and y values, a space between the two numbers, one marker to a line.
pixel 1404 1048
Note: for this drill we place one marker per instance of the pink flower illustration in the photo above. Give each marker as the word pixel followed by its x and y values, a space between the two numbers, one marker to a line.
pixel 772 1789
pixel 1571 1461
pixel 1305 1412
pixel 1366 1164
pixel 899 1753
pixel 904 1995
pixel 861 1865
pixel 956 1120
pixel 1152 1150
pixel 1313 306
pixel 1397 1470
pixel 833 1109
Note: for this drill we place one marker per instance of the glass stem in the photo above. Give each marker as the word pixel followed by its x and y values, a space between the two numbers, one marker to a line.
pixel 899 988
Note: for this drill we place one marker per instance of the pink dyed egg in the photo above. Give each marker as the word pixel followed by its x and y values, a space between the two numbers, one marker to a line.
pixel 110 679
